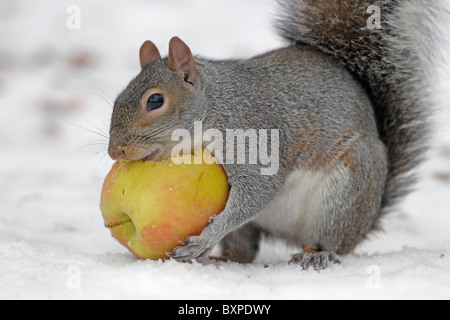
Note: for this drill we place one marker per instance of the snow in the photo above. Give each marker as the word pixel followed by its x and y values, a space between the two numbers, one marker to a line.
pixel 56 91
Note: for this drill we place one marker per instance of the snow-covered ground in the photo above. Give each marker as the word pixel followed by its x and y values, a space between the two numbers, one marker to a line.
pixel 56 92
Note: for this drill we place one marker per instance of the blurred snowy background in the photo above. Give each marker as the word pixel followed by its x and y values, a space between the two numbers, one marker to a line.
pixel 57 86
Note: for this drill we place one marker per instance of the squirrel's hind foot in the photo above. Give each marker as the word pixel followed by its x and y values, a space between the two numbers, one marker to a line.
pixel 320 260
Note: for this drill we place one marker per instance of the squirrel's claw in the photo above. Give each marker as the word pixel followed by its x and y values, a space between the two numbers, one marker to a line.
pixel 194 248
pixel 319 260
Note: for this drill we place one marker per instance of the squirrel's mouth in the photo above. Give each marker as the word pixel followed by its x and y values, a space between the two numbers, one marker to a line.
pixel 152 156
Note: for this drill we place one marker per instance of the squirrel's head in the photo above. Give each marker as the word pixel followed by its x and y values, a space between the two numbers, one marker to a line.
pixel 165 96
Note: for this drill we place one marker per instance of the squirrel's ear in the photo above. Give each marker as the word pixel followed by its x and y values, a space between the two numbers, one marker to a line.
pixel 180 58
pixel 148 54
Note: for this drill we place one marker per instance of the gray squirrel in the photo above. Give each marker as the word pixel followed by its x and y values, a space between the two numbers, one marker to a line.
pixel 352 105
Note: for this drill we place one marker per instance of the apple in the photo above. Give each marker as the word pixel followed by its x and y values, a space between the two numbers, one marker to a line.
pixel 152 207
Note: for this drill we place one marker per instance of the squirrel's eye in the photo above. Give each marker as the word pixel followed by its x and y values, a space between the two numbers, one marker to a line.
pixel 155 101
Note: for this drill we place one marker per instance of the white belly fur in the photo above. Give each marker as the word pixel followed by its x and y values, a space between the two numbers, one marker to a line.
pixel 292 215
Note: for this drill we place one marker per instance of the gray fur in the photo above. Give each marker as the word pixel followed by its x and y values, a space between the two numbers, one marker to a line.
pixel 241 245
pixel 360 123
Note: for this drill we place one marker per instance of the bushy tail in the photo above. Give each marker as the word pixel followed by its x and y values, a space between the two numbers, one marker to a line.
pixel 390 46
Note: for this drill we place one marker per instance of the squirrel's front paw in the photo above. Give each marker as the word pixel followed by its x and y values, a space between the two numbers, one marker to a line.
pixel 194 248
pixel 318 260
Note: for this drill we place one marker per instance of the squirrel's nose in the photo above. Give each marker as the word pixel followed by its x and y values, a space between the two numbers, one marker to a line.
pixel 118 152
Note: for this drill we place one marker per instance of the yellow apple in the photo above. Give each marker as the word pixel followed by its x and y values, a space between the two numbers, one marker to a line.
pixel 152 207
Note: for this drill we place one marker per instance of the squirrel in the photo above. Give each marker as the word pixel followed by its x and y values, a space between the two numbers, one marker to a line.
pixel 352 104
